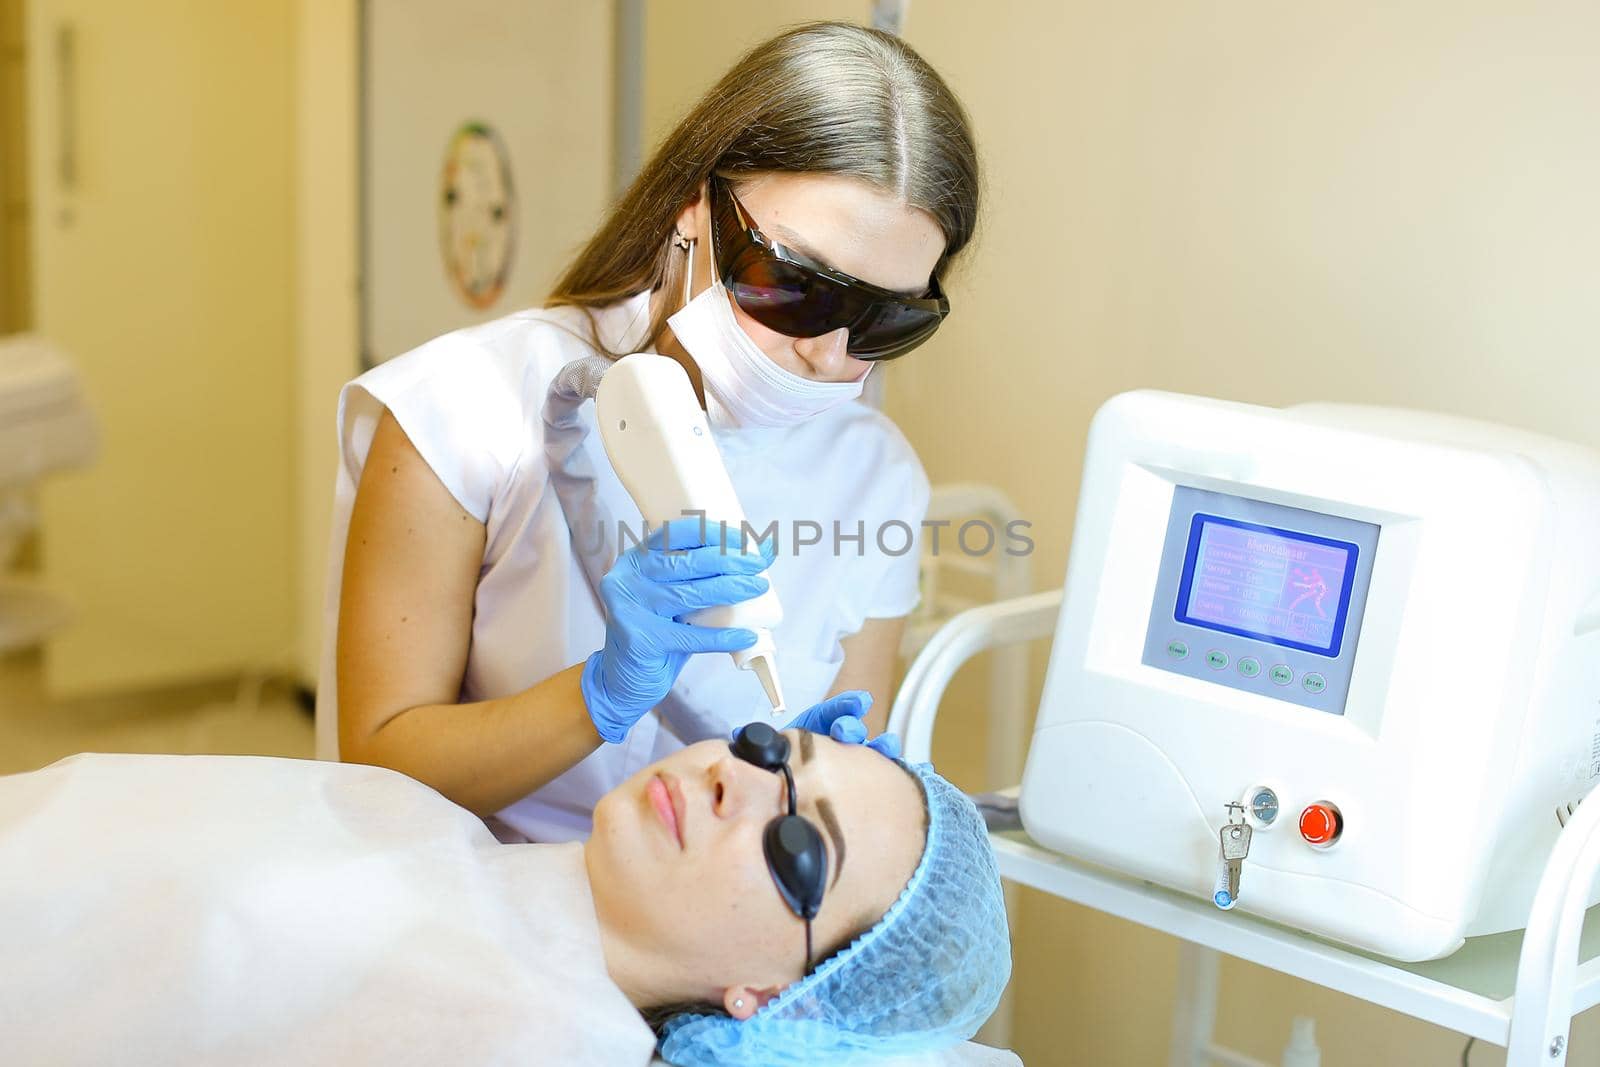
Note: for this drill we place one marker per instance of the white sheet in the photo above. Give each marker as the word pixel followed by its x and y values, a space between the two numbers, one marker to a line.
pixel 240 911
pixel 236 910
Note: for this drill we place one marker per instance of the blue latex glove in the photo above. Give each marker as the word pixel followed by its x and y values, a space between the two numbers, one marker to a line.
pixel 840 717
pixel 649 589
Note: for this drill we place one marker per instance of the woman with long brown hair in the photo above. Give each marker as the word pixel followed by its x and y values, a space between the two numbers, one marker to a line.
pixel 790 233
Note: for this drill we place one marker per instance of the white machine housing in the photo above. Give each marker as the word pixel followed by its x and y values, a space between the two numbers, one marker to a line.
pixel 659 443
pixel 1458 709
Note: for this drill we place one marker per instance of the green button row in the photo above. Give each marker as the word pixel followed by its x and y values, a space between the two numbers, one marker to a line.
pixel 1250 667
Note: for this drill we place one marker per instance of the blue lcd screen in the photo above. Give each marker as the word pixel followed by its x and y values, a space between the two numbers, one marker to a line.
pixel 1274 585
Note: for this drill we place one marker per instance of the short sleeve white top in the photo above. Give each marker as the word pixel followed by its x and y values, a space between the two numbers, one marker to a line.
pixel 471 403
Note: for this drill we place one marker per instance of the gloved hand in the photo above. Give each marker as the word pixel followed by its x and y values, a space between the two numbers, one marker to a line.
pixel 646 592
pixel 840 717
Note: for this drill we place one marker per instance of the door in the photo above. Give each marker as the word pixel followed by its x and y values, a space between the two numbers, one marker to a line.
pixel 161 156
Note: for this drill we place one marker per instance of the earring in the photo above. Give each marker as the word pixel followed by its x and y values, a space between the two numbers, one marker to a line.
pixel 680 241
pixel 738 1004
pixel 688 269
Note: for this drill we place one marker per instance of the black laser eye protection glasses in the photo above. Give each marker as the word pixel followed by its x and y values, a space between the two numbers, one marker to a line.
pixel 793 846
pixel 788 293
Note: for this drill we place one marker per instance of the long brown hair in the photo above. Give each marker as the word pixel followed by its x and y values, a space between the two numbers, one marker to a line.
pixel 828 97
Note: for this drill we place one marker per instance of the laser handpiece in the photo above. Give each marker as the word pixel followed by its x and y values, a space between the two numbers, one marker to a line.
pixel 660 445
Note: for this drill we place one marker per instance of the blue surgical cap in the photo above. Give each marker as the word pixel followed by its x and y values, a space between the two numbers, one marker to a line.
pixel 924 978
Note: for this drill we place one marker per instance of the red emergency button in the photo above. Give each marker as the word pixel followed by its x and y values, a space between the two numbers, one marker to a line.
pixel 1321 824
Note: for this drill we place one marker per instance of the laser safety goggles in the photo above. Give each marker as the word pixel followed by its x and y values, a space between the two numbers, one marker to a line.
pixel 795 296
pixel 792 844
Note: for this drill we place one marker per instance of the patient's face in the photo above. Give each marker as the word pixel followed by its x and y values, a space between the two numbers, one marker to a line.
pixel 691 879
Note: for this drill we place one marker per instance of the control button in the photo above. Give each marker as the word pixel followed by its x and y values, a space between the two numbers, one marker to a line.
pixel 1314 683
pixel 1249 667
pixel 1321 824
pixel 1177 650
pixel 1216 659
pixel 1281 674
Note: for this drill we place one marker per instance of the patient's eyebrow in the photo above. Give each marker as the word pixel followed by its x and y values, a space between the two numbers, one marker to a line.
pixel 825 809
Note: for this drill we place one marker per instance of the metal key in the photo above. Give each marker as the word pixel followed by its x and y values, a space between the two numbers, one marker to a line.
pixel 1235 847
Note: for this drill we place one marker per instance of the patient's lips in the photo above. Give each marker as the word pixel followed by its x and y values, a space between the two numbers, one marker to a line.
pixel 667 805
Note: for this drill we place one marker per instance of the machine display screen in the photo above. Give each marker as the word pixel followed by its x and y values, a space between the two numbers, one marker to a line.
pixel 1271 584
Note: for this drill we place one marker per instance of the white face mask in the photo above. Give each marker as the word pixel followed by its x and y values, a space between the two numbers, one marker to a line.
pixel 743 387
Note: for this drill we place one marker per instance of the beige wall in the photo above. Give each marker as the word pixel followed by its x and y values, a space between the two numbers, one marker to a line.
pixel 1388 204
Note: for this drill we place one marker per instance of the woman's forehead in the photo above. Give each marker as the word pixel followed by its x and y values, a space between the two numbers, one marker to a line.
pixel 880 812
pixel 870 792
pixel 848 225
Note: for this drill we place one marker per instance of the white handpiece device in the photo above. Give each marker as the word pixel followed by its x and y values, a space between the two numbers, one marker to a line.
pixel 660 445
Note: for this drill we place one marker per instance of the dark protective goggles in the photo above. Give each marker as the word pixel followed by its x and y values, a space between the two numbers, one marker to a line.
pixel 793 846
pixel 788 293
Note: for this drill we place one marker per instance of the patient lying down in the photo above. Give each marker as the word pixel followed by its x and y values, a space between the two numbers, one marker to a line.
pixel 231 910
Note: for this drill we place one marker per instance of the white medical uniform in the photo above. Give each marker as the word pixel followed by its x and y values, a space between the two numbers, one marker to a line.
pixel 471 403
pixel 237 910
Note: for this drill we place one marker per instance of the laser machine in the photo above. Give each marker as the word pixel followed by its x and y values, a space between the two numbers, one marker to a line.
pixel 1335 666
